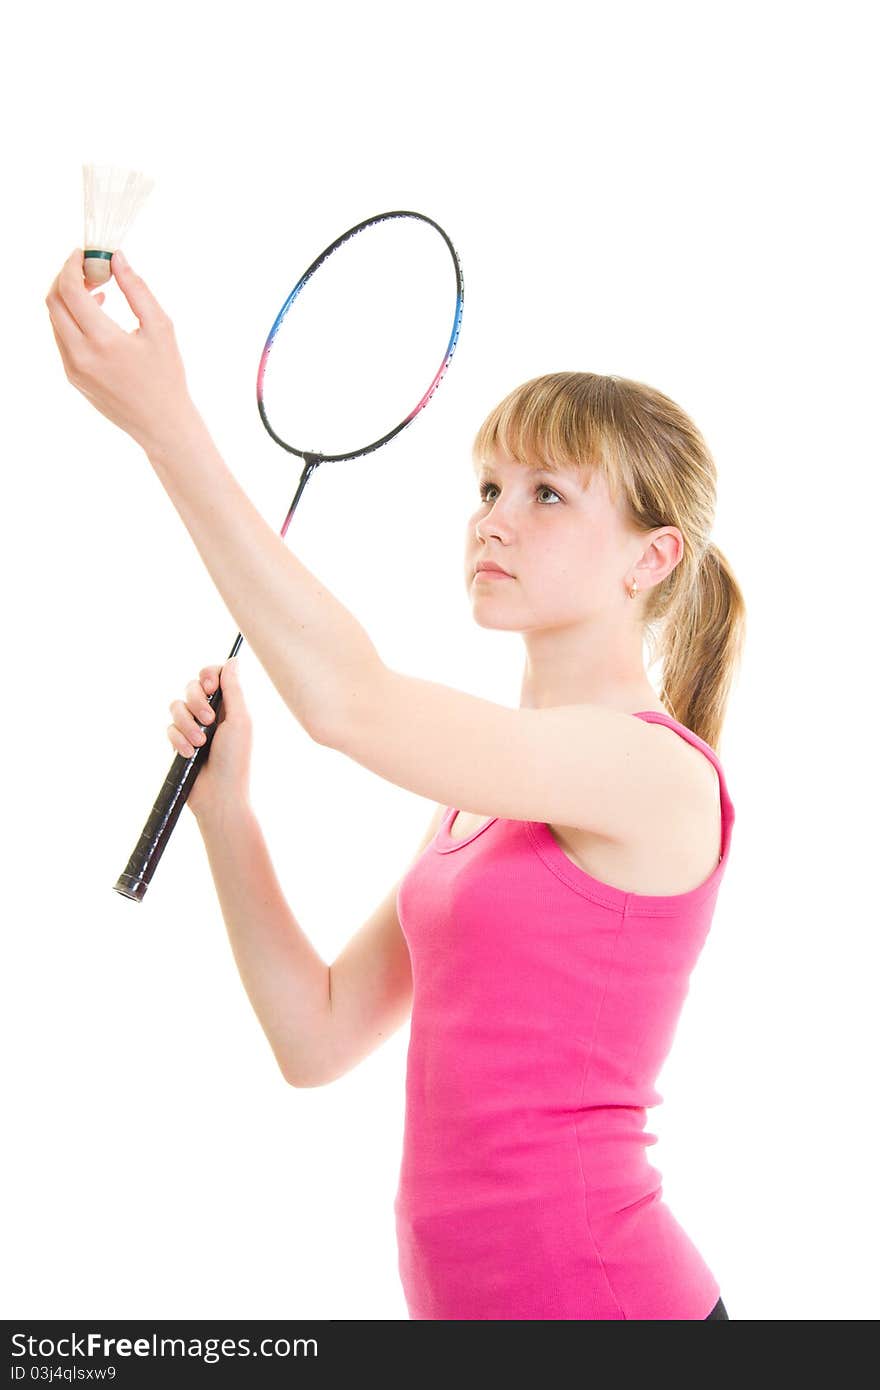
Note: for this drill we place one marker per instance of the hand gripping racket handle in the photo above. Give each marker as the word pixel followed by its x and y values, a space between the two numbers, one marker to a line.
pixel 135 880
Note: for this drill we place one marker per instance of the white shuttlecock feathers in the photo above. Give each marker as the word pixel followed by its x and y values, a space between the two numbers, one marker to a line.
pixel 112 198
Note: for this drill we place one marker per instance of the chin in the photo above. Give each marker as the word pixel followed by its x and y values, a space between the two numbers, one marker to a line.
pixel 493 621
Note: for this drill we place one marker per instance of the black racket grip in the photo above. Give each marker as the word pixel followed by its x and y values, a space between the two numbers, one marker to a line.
pixel 134 881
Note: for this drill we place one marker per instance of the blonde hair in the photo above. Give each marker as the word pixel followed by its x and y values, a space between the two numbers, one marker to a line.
pixel 656 461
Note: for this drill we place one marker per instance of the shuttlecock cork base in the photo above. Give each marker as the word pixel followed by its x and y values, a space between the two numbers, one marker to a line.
pixel 96 266
pixel 112 198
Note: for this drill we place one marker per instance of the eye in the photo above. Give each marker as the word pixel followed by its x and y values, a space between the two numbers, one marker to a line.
pixel 542 487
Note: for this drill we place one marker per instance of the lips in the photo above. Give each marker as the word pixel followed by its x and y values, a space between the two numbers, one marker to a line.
pixel 489 565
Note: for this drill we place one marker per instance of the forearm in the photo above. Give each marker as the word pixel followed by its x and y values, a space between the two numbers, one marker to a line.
pixel 286 980
pixel 313 649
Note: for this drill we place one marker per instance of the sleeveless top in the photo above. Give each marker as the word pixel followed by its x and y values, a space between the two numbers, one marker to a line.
pixel 545 1003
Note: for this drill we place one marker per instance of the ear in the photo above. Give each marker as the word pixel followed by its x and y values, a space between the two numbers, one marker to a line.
pixel 662 553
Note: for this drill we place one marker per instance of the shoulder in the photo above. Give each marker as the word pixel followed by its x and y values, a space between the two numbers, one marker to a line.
pixel 697 787
pixel 699 769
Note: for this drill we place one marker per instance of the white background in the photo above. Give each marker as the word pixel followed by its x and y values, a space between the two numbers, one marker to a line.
pixel 679 193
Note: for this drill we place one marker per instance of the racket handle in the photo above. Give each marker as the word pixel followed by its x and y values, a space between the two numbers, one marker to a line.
pixel 134 881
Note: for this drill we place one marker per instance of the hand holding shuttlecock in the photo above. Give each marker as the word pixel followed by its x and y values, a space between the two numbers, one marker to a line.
pixel 112 198
pixel 137 379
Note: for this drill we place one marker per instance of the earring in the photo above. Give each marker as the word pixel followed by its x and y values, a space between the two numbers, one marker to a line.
pixel 635 588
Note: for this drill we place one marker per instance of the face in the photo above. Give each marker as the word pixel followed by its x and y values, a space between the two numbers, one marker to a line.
pixel 561 539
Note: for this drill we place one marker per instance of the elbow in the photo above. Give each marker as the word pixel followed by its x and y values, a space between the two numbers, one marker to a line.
pixel 302 1085
pixel 307 1063
pixel 302 1081
pixel 323 726
pixel 322 734
pixel 339 722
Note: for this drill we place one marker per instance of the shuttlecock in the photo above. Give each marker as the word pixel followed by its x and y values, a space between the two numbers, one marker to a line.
pixel 112 198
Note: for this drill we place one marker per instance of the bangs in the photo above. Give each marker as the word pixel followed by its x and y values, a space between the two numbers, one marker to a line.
pixel 545 424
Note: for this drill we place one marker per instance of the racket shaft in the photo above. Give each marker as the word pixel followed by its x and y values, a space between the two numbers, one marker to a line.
pixel 135 878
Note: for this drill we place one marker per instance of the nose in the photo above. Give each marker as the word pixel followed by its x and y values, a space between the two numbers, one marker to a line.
pixel 493 524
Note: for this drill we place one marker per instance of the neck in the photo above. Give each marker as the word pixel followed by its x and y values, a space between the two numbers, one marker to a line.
pixel 565 667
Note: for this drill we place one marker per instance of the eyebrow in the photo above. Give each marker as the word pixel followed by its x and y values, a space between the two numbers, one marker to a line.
pixel 484 467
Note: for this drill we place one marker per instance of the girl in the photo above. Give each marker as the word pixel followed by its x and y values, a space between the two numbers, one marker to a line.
pixel 543 937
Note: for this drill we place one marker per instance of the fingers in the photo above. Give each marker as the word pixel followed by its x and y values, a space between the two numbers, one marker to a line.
pixel 67 328
pixel 186 733
pixel 186 727
pixel 58 311
pixel 180 744
pixel 70 289
pixel 210 677
pixel 68 334
pixel 141 300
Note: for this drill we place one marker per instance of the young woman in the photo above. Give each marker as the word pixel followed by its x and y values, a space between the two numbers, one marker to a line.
pixel 543 937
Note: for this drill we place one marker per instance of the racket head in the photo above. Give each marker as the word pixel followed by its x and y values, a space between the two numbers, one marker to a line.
pixel 423 323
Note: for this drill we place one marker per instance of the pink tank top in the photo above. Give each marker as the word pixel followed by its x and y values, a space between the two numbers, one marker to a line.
pixel 544 1006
